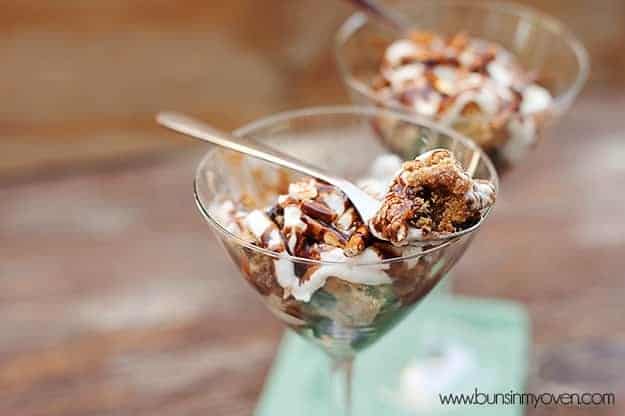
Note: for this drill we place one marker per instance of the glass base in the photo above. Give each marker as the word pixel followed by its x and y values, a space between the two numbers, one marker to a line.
pixel 447 345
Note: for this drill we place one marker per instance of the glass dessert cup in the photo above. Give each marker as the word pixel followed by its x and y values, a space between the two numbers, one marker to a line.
pixel 541 44
pixel 341 317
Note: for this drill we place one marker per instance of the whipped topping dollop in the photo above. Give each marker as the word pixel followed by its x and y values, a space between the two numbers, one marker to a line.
pixel 350 269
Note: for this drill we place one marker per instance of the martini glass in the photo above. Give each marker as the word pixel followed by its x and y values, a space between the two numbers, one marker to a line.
pixel 542 45
pixel 342 317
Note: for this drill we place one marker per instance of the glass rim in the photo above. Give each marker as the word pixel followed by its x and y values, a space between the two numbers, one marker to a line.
pixel 337 110
pixel 560 101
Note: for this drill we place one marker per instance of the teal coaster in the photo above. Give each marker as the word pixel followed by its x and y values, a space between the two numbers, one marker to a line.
pixel 446 345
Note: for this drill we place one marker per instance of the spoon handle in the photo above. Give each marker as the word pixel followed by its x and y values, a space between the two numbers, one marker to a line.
pixel 200 130
pixel 378 11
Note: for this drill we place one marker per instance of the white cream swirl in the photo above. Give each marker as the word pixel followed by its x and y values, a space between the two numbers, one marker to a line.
pixel 351 269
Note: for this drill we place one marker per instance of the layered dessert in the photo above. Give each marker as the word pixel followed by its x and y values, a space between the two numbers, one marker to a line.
pixel 475 86
pixel 426 198
pixel 337 280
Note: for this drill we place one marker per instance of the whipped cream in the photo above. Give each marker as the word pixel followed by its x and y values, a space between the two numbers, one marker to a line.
pixel 350 269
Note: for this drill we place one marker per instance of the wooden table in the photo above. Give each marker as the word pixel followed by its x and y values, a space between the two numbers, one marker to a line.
pixel 116 299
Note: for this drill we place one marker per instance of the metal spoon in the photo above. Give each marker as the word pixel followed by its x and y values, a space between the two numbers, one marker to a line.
pixel 365 204
pixel 379 12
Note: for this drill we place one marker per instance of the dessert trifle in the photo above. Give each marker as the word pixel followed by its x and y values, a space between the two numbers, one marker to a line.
pixel 497 73
pixel 475 86
pixel 334 279
pixel 429 197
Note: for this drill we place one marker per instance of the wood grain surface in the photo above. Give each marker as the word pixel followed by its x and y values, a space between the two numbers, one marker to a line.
pixel 116 299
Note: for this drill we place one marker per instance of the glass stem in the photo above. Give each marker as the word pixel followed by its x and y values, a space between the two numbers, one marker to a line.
pixel 341 379
pixel 445 287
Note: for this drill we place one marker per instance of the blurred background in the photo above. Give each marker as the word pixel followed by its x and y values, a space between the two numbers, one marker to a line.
pixel 82 81
pixel 116 300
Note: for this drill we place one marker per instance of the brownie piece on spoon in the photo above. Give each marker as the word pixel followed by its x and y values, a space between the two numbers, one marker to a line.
pixel 430 197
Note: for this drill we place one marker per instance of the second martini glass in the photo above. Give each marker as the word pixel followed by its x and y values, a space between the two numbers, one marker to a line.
pixel 342 317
